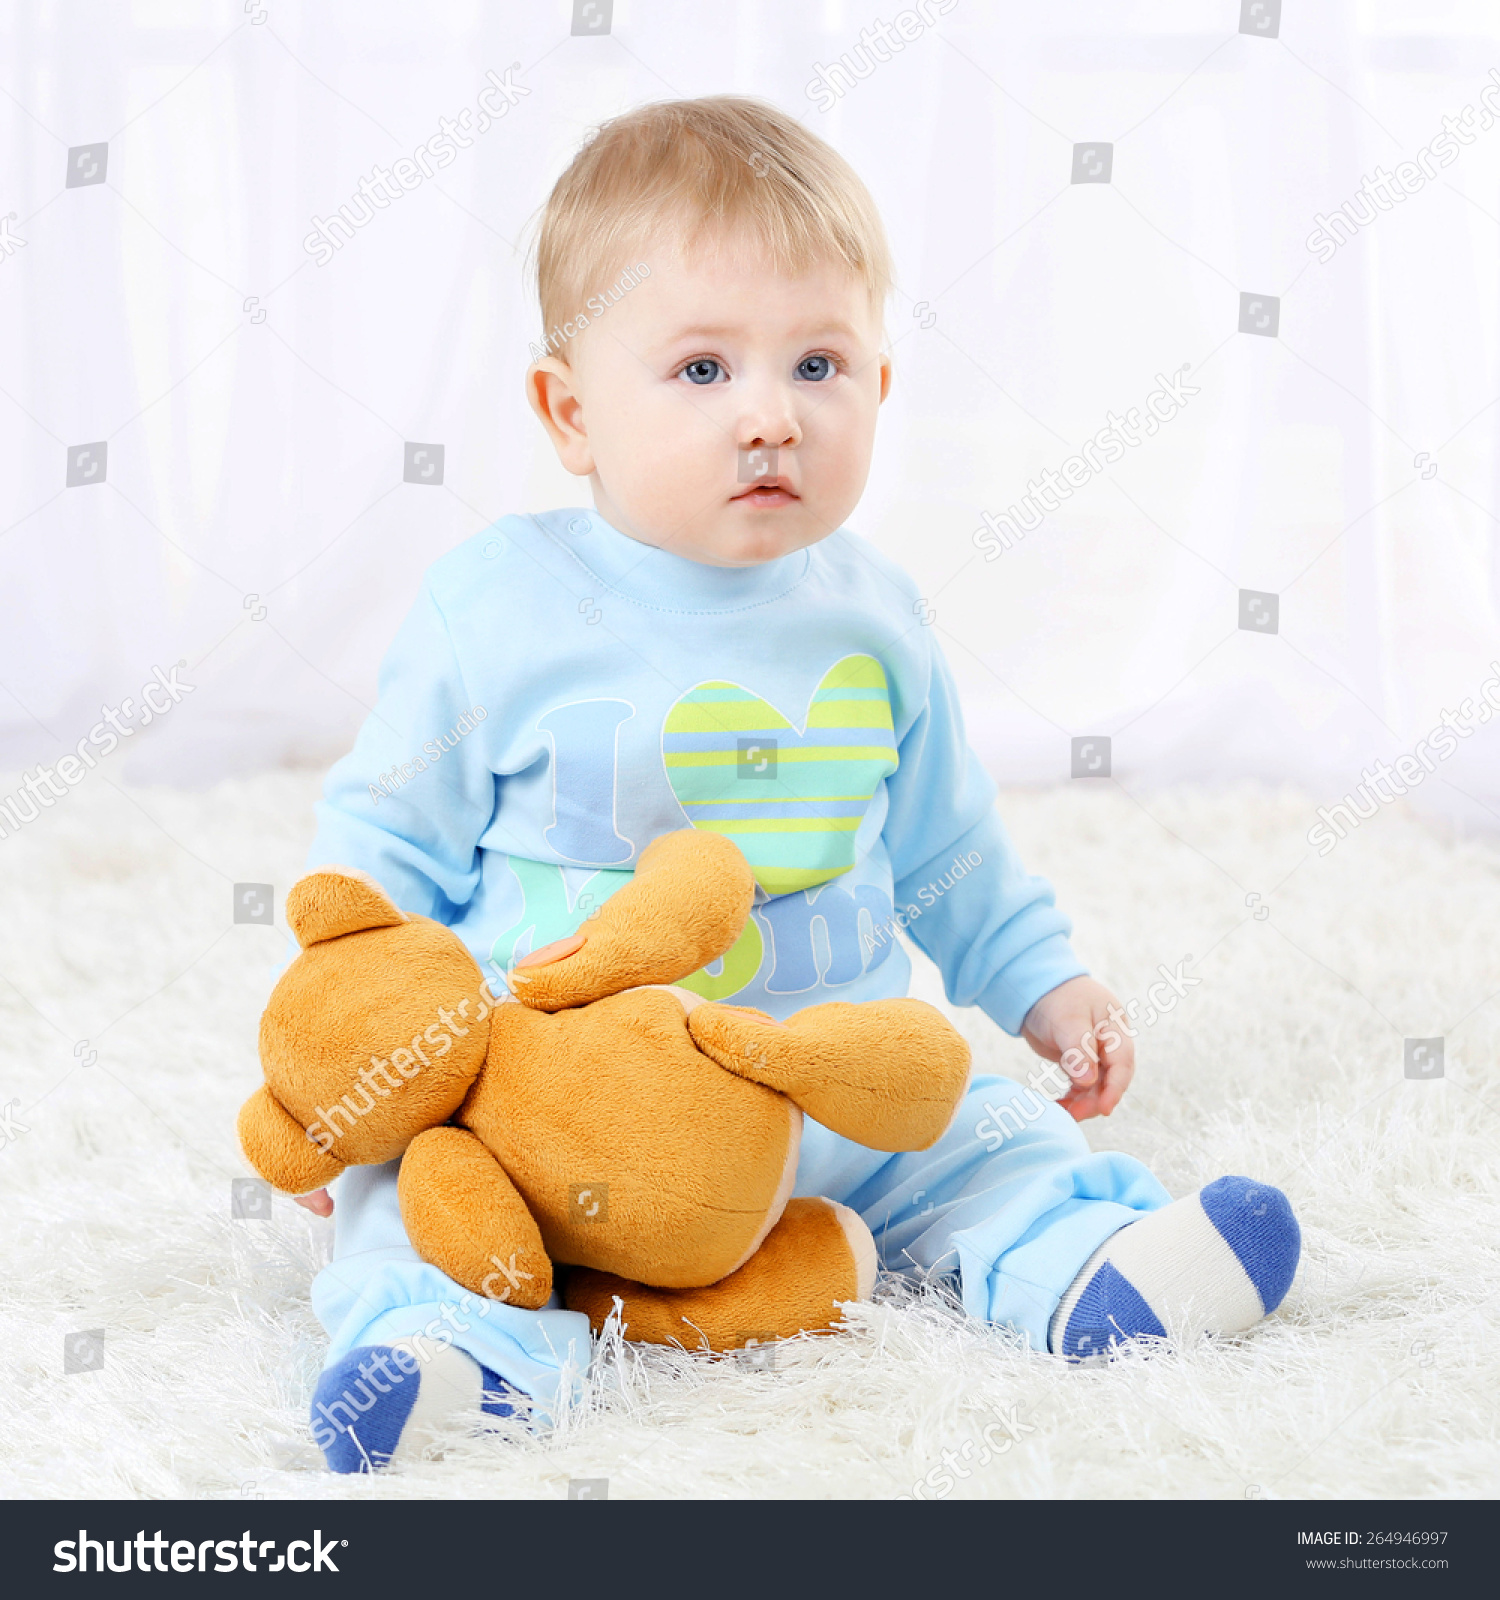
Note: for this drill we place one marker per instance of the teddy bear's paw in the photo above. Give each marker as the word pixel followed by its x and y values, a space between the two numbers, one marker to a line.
pixel 398 1401
pixel 888 1074
pixel 684 907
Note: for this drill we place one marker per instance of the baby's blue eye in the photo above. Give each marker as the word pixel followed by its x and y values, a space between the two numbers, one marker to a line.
pixel 704 370
pixel 814 368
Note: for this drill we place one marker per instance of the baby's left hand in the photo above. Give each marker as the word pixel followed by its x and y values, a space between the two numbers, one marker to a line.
pixel 1076 1016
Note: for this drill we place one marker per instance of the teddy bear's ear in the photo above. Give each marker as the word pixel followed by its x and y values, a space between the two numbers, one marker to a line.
pixel 338 900
pixel 280 1149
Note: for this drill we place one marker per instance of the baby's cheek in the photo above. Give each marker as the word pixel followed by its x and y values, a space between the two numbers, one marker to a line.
pixel 667 473
pixel 836 454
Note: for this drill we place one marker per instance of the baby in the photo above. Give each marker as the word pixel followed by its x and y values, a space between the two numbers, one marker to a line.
pixel 708 645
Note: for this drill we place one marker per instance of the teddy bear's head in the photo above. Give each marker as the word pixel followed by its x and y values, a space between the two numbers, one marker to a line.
pixel 373 1034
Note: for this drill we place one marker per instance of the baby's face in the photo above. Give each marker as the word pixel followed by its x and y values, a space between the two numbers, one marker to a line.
pixel 659 400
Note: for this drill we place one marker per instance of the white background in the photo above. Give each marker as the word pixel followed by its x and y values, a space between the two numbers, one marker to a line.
pixel 258 463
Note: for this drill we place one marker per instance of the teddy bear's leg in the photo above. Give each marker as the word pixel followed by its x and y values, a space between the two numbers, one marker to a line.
pixel 464 1215
pixel 888 1074
pixel 817 1256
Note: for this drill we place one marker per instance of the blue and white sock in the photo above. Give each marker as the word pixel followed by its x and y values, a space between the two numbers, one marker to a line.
pixel 386 1402
pixel 1213 1262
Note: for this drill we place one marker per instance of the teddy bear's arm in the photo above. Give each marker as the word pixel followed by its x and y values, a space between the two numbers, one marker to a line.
pixel 888 1074
pixel 465 1216
pixel 685 906
pixel 279 1147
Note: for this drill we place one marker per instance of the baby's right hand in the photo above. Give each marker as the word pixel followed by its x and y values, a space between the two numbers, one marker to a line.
pixel 319 1202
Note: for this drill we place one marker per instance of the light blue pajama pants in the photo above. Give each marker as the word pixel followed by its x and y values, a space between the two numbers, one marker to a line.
pixel 1014 1207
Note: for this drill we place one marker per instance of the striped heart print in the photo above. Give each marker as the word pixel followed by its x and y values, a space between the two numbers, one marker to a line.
pixel 791 801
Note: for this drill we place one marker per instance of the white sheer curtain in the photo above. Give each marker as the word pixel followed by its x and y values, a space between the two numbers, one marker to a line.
pixel 253 521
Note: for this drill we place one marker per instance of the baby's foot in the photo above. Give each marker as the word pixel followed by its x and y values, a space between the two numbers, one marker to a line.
pixel 390 1401
pixel 1213 1262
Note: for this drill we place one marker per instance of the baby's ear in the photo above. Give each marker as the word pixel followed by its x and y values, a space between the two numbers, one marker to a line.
pixel 685 906
pixel 335 901
pixel 280 1149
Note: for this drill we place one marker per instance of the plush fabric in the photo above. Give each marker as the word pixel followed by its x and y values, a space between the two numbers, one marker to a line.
pixel 1379 1376
pixel 360 1065
pixel 889 1103
pixel 687 890
pixel 460 1207
pixel 588 1127
pixel 779 1292
pixel 684 1158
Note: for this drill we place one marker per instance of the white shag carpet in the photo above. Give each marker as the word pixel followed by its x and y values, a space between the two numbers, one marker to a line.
pixel 1379 1376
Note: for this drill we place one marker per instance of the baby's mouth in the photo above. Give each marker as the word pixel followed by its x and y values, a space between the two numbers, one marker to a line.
pixel 769 492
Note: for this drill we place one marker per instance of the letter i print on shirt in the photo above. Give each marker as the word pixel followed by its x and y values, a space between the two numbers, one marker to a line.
pixel 584 791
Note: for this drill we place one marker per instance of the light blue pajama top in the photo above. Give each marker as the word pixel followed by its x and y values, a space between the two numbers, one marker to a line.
pixel 561 694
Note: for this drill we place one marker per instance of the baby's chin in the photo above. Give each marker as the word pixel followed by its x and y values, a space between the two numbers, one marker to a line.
pixel 750 539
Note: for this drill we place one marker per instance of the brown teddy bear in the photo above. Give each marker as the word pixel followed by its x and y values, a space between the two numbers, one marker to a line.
pixel 610 1122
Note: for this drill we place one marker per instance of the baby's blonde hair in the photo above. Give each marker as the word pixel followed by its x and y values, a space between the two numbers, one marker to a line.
pixel 720 166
